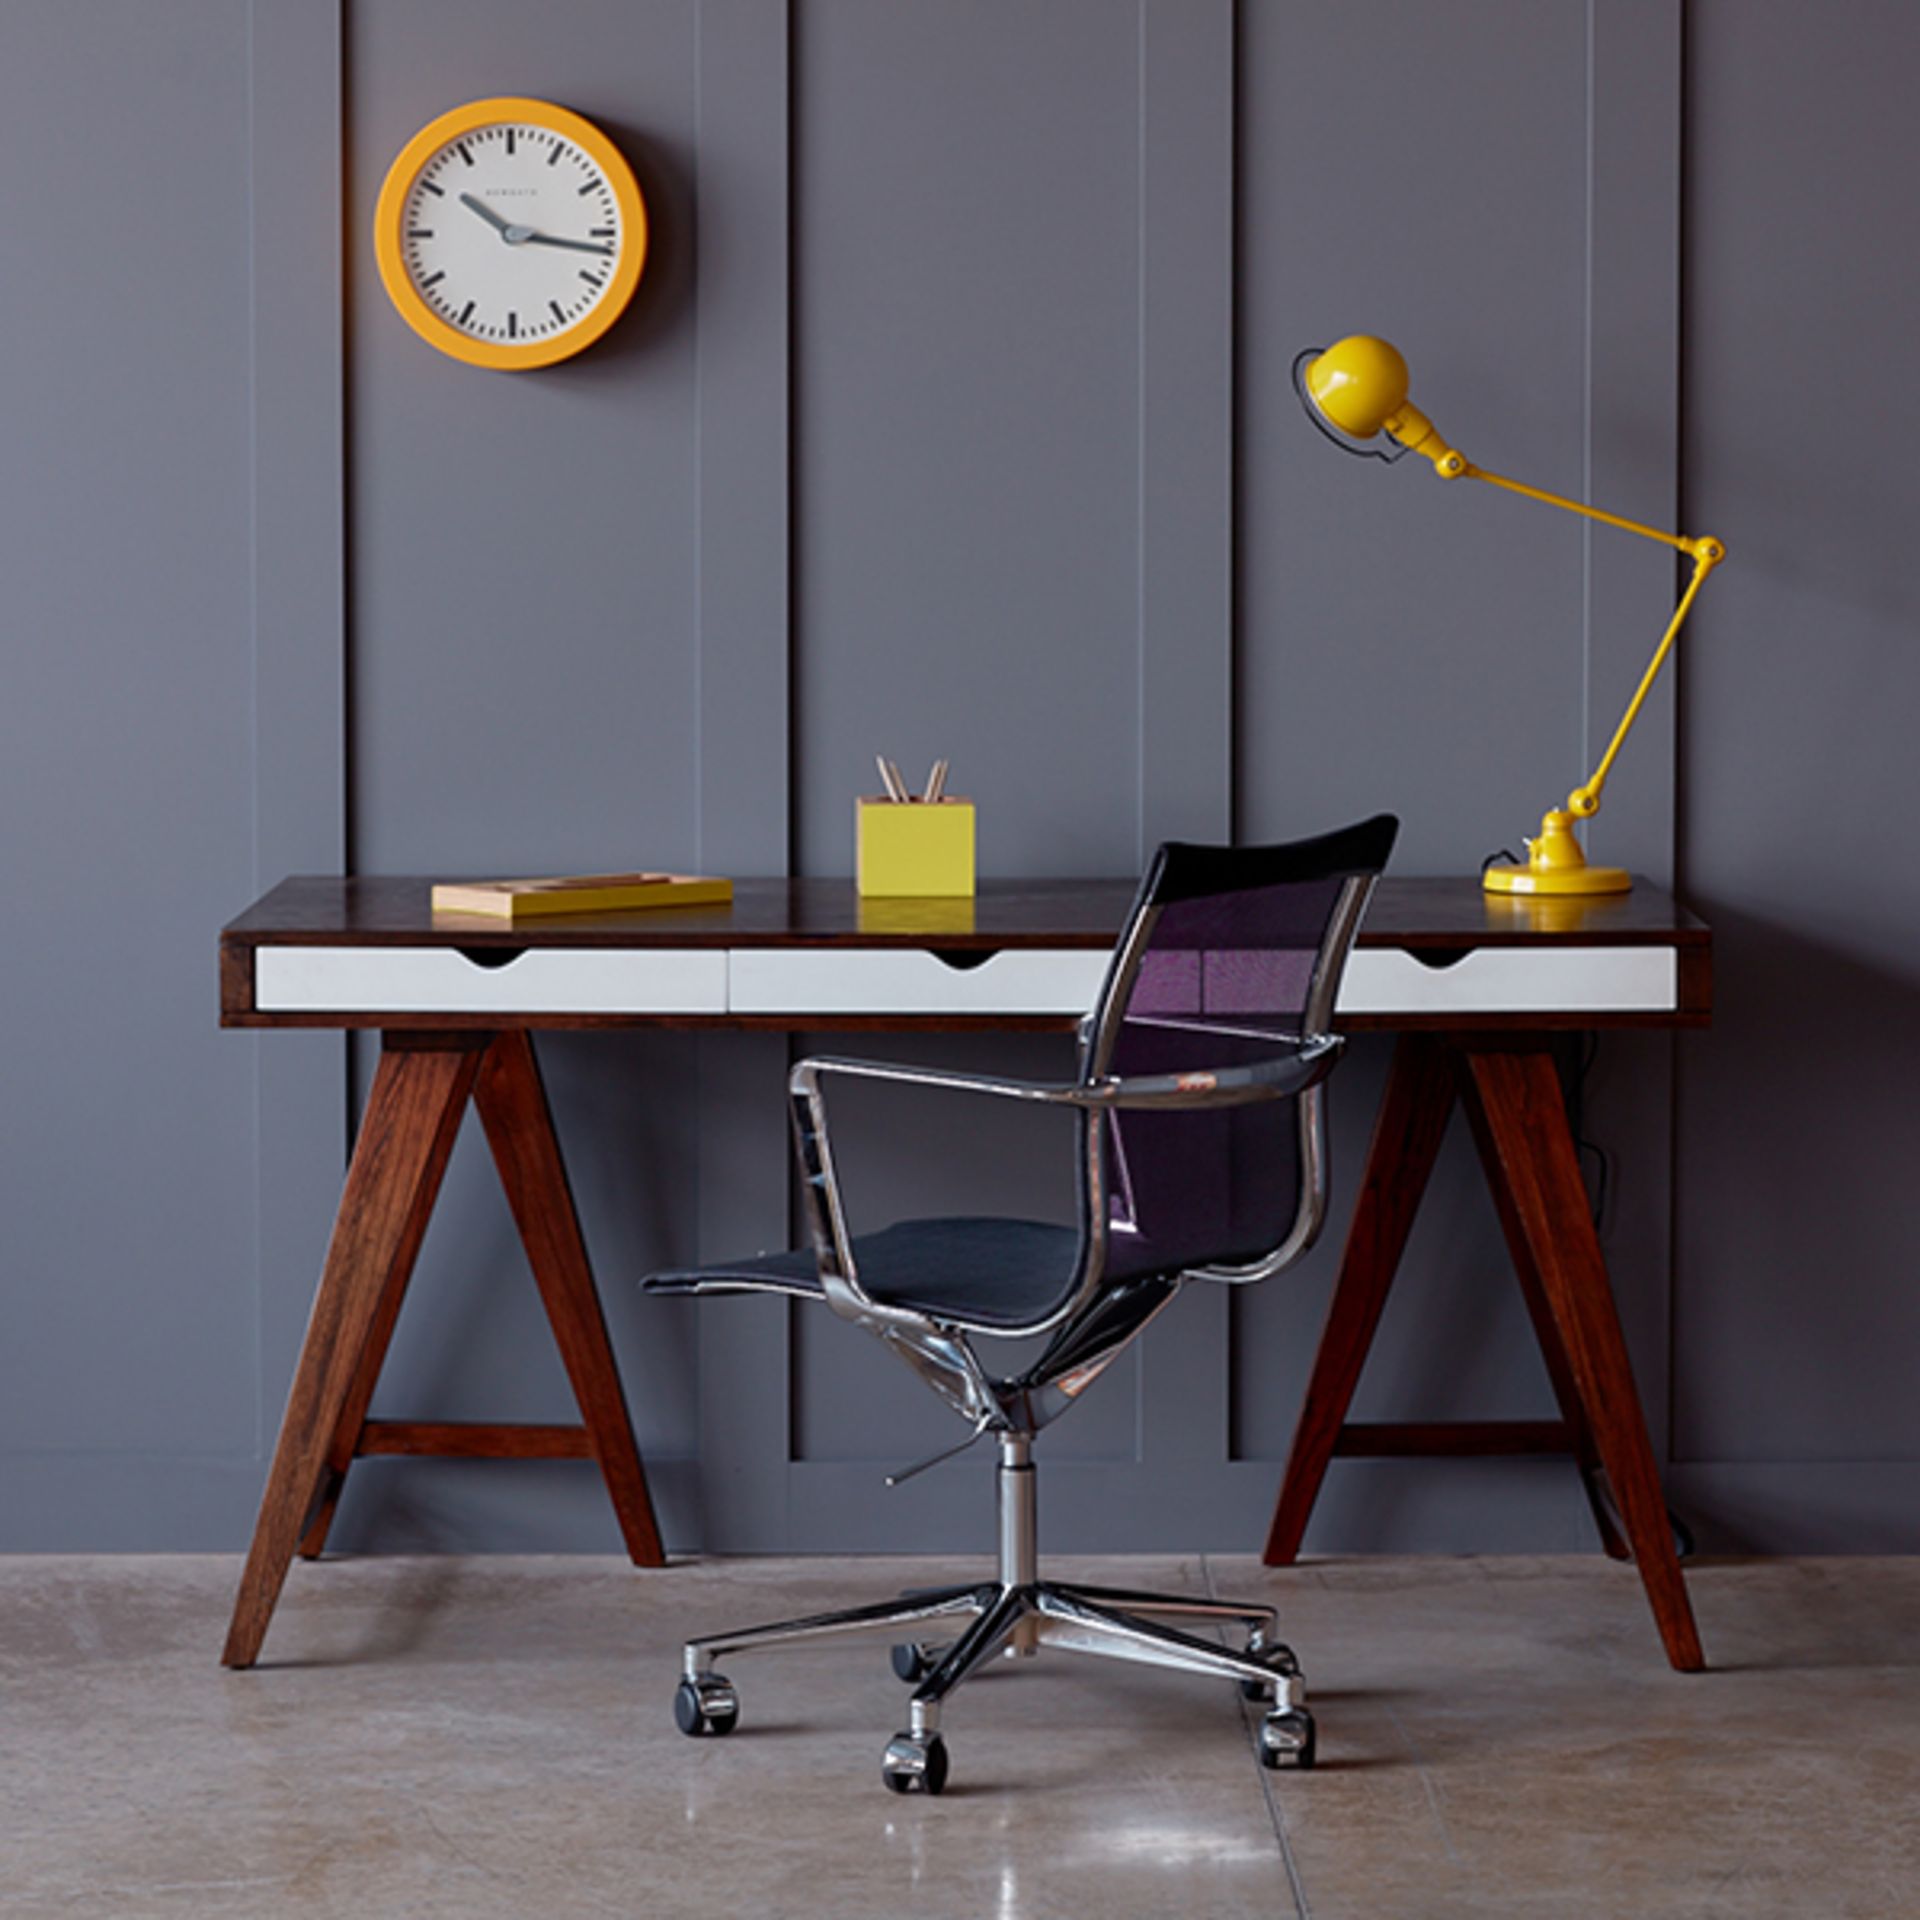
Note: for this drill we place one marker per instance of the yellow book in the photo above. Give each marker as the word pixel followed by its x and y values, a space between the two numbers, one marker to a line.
pixel 581 893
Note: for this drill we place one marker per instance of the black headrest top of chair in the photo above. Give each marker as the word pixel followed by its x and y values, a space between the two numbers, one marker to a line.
pixel 1184 871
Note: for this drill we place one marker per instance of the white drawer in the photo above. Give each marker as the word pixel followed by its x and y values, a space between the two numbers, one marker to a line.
pixel 1514 980
pixel 444 980
pixel 901 980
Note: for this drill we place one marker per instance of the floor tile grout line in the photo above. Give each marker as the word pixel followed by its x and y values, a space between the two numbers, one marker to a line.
pixel 1274 1815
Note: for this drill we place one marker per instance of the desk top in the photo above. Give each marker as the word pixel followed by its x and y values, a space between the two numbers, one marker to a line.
pixel 805 954
pixel 1450 914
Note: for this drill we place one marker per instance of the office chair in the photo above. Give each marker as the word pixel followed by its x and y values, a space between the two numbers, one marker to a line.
pixel 1200 1156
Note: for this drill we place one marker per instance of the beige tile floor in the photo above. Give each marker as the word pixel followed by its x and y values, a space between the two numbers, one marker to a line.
pixel 492 1737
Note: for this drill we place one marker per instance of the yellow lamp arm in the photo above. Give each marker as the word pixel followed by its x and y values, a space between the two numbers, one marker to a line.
pixel 1678 541
pixel 1705 552
pixel 1370 374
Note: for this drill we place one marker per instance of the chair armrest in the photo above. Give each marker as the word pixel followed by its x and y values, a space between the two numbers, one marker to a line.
pixel 1309 1059
pixel 1309 1062
pixel 820 1189
pixel 1303 1064
pixel 1055 1094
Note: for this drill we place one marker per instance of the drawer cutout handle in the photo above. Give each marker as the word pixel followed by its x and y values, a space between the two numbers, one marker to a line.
pixel 492 958
pixel 964 959
pixel 1437 959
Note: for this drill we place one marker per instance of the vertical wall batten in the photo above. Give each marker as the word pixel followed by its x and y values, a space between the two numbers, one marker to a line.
pixel 297 241
pixel 742 639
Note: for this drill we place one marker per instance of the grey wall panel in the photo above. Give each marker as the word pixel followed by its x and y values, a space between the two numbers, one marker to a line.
pixel 967 368
pixel 126 804
pixel 1013 394
pixel 1797 1322
pixel 522 571
pixel 1185 462
pixel 1406 643
pixel 525 661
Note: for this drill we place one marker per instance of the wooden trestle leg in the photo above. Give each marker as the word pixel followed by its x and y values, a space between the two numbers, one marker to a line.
pixel 406 1134
pixel 1523 1114
pixel 1514 1102
pixel 1412 1120
pixel 413 1114
pixel 513 1108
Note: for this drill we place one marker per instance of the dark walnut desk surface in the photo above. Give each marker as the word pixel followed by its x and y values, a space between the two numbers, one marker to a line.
pixel 1475 986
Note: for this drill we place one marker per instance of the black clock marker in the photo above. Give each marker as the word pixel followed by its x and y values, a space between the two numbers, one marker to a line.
pixel 600 233
pixel 590 279
pixel 439 193
pixel 419 233
pixel 558 312
pixel 432 278
pixel 513 325
pixel 558 150
pixel 509 141
pixel 589 187
pixel 460 147
pixel 465 311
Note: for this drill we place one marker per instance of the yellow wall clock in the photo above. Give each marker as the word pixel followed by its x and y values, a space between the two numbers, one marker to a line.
pixel 510 233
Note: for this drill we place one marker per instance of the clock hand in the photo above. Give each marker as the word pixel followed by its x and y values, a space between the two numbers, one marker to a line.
pixel 554 240
pixel 487 214
pixel 516 236
pixel 512 235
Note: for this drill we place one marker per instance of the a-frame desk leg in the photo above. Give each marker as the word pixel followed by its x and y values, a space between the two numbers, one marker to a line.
pixel 406 1134
pixel 1513 1098
pixel 513 1108
pixel 1520 1112
pixel 1413 1117
pixel 413 1113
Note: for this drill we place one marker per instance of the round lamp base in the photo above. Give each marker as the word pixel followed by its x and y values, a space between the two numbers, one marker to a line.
pixel 1556 864
pixel 1556 881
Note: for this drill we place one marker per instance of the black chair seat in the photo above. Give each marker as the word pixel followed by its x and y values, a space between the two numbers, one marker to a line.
pixel 990 1272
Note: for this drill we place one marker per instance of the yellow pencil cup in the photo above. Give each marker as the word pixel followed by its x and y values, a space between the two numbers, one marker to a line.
pixel 917 847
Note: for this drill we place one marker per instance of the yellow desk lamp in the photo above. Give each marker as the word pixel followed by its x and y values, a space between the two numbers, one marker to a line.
pixel 1356 390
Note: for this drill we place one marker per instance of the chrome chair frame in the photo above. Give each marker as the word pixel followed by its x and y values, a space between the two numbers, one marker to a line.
pixel 1016 1611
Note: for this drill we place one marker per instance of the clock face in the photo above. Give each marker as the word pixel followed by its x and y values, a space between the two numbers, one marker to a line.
pixel 510 233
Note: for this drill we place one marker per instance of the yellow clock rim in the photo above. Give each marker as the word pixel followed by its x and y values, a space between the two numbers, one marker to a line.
pixel 389 212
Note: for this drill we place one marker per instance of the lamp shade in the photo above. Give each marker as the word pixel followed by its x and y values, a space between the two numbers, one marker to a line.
pixel 1358 384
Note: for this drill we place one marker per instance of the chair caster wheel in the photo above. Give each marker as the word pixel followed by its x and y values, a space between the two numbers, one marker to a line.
pixel 1279 1658
pixel 1287 1737
pixel 912 1662
pixel 915 1763
pixel 706 1706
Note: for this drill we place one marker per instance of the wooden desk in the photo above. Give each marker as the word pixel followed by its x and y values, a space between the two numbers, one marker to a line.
pixel 1476 986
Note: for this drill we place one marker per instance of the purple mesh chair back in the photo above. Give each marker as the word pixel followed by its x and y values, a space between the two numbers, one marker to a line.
pixel 1234 952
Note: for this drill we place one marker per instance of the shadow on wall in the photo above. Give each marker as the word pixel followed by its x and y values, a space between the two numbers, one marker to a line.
pixel 665 293
pixel 1796 1320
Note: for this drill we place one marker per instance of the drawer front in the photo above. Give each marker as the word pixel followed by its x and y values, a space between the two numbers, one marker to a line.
pixel 878 980
pixel 1380 981
pixel 1389 980
pixel 443 980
